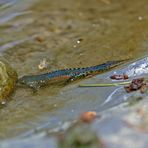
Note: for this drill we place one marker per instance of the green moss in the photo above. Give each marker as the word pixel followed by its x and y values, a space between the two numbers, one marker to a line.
pixel 8 77
pixel 80 136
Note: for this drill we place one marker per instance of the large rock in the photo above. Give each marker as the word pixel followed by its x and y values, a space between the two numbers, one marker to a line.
pixel 8 78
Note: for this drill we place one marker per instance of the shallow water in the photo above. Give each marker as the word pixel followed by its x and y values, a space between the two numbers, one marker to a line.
pixel 67 34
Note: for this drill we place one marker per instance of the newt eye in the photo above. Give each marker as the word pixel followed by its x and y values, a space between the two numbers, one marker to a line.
pixel 21 81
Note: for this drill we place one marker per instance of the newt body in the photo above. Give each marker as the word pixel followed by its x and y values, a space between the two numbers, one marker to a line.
pixel 65 75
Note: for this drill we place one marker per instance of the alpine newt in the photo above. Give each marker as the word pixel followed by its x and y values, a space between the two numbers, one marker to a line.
pixel 65 75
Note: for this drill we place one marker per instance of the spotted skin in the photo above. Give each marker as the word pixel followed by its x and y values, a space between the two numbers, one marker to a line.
pixel 65 75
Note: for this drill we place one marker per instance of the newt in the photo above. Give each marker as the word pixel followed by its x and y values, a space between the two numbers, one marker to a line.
pixel 65 75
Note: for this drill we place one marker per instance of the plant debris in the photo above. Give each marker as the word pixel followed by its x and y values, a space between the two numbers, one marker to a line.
pixel 104 84
pixel 119 77
pixel 136 84
pixel 43 64
pixel 144 89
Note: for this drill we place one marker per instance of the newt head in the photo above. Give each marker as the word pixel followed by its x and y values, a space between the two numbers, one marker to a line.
pixel 25 81
pixel 28 81
pixel 22 81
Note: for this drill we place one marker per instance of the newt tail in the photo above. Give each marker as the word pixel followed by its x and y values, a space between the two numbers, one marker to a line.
pixel 66 75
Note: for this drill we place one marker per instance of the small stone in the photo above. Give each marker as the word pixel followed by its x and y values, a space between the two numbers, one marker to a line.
pixel 3 102
pixel 79 41
pixel 88 116
pixel 140 18
pixel 39 39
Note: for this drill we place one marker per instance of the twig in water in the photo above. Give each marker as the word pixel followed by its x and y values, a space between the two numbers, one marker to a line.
pixel 105 84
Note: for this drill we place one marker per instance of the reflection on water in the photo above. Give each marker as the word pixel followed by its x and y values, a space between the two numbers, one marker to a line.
pixel 65 33
pixel 10 9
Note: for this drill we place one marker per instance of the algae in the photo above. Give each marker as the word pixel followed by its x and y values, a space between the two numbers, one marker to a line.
pixel 8 78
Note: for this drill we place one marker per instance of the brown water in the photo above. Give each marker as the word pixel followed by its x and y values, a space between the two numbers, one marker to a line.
pixel 68 34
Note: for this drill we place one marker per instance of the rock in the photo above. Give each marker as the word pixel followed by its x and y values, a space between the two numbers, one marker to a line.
pixel 80 135
pixel 8 78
